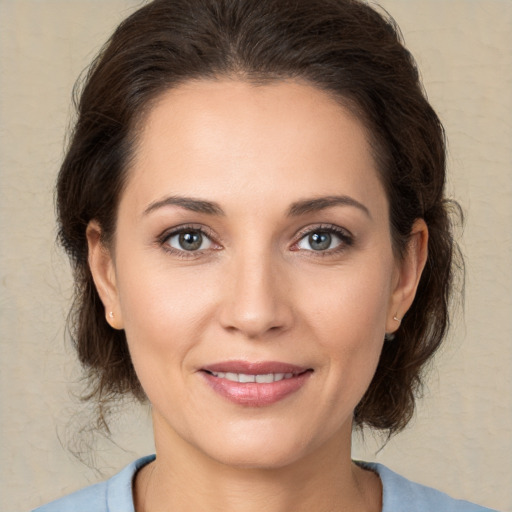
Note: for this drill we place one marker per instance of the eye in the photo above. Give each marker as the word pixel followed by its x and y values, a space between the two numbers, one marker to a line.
pixel 318 241
pixel 189 240
pixel 324 240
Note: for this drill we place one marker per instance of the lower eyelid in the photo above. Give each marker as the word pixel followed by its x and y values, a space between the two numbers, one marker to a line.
pixel 343 236
pixel 345 240
pixel 338 242
pixel 163 240
pixel 177 234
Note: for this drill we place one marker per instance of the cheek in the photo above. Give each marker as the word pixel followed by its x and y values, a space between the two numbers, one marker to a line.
pixel 153 295
pixel 347 314
pixel 163 314
pixel 350 303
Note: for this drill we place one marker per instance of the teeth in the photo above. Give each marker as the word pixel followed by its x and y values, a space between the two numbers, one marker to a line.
pixel 265 378
pixel 261 379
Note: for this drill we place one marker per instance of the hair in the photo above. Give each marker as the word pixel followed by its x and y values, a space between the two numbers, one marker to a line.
pixel 343 47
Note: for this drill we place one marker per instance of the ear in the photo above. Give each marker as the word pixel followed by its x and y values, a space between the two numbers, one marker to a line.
pixel 103 273
pixel 409 271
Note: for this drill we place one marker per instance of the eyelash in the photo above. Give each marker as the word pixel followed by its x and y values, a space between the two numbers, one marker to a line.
pixel 345 237
pixel 164 238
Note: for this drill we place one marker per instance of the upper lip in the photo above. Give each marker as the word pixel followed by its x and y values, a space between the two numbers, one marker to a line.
pixel 254 368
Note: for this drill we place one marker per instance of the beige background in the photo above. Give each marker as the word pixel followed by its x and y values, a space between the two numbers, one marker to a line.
pixel 461 438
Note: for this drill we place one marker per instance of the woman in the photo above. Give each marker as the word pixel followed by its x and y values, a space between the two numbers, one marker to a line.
pixel 253 205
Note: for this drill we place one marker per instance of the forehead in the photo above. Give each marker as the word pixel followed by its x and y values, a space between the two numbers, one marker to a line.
pixel 212 137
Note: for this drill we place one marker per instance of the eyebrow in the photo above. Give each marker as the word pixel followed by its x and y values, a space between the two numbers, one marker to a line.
pixel 321 203
pixel 296 209
pixel 188 203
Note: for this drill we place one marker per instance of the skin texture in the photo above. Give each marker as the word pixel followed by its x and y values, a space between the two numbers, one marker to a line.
pixel 254 291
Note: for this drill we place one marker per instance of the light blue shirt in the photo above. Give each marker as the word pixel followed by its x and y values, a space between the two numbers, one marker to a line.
pixel 399 494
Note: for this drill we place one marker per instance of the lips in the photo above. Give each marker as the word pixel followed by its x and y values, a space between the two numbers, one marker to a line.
pixel 264 378
pixel 255 384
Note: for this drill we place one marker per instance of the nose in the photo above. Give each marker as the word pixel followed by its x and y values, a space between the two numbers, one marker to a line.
pixel 257 300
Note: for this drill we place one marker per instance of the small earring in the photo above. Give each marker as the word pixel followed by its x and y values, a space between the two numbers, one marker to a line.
pixel 396 319
pixel 111 315
pixel 389 336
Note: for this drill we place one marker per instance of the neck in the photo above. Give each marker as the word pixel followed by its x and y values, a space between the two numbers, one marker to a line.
pixel 184 479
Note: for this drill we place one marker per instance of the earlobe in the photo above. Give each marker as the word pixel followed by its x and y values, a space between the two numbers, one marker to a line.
pixel 410 270
pixel 103 273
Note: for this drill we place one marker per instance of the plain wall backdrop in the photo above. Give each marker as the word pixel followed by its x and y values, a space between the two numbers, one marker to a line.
pixel 461 438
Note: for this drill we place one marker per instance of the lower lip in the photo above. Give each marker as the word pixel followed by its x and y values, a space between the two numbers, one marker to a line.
pixel 254 394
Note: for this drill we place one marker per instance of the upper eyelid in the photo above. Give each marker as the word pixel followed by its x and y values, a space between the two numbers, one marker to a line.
pixel 167 233
pixel 345 236
pixel 164 237
pixel 323 227
pixel 208 232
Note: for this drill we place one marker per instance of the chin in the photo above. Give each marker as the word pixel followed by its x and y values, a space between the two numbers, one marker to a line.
pixel 260 458
pixel 262 448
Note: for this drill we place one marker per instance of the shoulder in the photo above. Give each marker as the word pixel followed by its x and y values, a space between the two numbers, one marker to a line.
pixel 113 495
pixel 91 498
pixel 402 495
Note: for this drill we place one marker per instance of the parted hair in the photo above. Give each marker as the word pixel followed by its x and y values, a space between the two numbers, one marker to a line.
pixel 344 47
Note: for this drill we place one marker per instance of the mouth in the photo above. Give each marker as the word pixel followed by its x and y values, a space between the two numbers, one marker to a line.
pixel 255 384
pixel 264 378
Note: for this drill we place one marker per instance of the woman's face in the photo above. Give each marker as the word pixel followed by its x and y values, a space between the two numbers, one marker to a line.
pixel 253 270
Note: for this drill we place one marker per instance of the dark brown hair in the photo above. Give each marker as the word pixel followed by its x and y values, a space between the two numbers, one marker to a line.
pixel 343 47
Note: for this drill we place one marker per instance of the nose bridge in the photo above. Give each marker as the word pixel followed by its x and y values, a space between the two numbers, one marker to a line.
pixel 254 302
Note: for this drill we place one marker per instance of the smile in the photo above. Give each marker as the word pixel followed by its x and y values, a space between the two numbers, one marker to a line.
pixel 255 384
pixel 264 378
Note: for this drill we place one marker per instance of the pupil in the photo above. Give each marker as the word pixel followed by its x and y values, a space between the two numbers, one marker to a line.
pixel 320 241
pixel 191 241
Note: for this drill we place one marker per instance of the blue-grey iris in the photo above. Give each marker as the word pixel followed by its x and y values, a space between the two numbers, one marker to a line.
pixel 320 241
